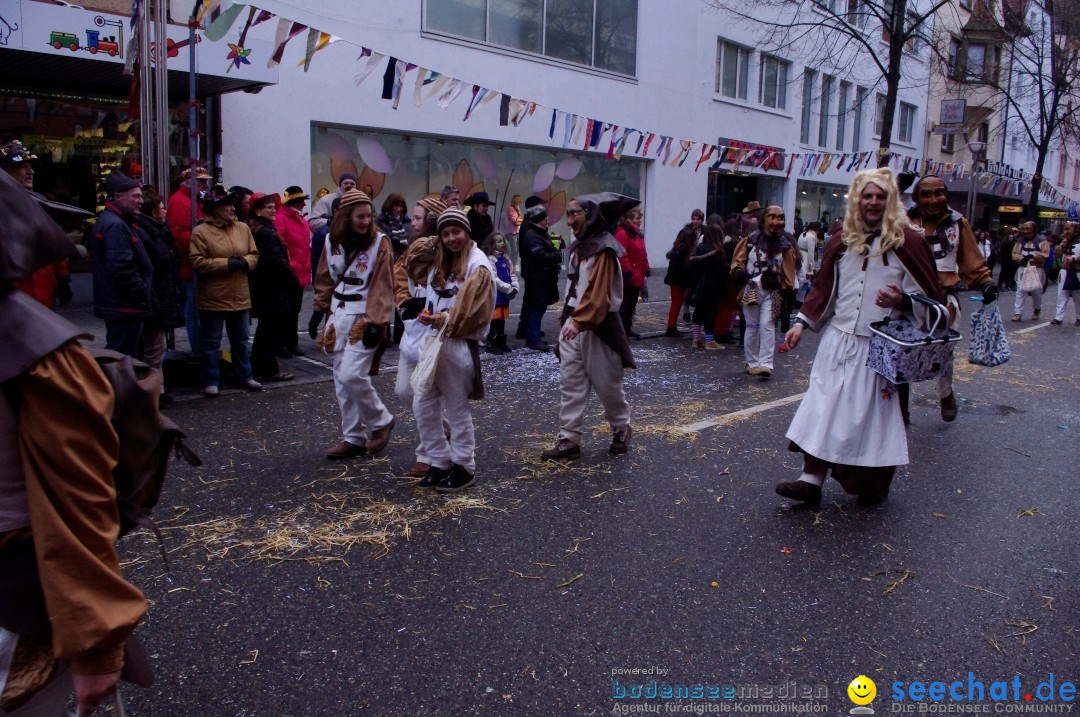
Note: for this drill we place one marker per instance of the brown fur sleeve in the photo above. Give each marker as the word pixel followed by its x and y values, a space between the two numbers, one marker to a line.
pixel 595 303
pixel 380 300
pixel 473 306
pixel 738 261
pixel 401 282
pixel 324 285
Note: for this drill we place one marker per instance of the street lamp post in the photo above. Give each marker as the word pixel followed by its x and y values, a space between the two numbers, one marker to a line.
pixel 977 149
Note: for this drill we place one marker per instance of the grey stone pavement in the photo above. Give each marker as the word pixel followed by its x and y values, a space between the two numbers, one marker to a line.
pixel 304 587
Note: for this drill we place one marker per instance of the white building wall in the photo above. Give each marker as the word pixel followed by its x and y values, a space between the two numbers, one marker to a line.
pixel 267 136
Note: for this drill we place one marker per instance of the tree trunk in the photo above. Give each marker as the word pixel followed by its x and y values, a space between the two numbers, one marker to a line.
pixel 1031 211
pixel 892 80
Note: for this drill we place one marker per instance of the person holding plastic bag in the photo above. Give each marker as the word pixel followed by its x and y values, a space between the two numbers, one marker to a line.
pixel 1030 255
pixel 410 280
pixel 1069 277
pixel 459 298
pixel 354 291
pixel 849 421
pixel 957 255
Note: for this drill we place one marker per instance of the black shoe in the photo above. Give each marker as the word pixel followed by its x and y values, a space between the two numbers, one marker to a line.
pixel 726 340
pixel 871 499
pixel 620 442
pixel 674 333
pixel 459 479
pixel 295 351
pixel 564 450
pixel 949 408
pixel 433 477
pixel 542 346
pixel 165 400
pixel 686 317
pixel 800 490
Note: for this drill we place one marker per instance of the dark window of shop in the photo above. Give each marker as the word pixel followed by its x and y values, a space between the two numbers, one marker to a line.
pixel 826 102
pixel 856 125
pixel 594 33
pixel 807 105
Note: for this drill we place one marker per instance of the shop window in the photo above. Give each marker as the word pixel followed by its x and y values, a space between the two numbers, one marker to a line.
pixel 952 70
pixel 807 100
pixel 774 81
pixel 948 143
pixel 826 102
pixel 732 69
pixel 593 33
pixel 906 130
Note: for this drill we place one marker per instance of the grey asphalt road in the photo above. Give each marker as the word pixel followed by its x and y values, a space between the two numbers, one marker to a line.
pixel 304 587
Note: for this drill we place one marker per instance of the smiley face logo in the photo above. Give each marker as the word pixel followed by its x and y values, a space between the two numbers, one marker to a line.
pixel 862 690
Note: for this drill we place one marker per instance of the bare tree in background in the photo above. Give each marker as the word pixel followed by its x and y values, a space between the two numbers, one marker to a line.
pixel 1035 82
pixel 881 31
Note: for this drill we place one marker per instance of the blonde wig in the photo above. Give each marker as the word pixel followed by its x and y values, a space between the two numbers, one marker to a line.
pixel 893 222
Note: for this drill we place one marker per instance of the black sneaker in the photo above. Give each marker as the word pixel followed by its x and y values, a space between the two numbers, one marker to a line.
pixel 458 479
pixel 674 333
pixel 620 442
pixel 433 477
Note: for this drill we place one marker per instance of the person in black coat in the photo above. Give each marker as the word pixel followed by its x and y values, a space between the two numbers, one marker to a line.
pixel 123 275
pixel 167 296
pixel 540 264
pixel 482 226
pixel 273 284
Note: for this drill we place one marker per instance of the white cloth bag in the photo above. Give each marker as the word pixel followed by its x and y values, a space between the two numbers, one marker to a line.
pixel 423 376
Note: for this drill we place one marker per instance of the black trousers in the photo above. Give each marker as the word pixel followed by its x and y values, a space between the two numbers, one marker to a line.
pixel 270 335
pixel 629 306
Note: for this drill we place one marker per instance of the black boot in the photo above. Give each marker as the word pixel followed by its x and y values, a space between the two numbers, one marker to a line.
pixel 500 343
pixel 904 394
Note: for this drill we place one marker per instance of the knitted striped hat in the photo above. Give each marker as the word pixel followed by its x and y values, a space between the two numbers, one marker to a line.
pixel 454 217
pixel 351 197
pixel 433 204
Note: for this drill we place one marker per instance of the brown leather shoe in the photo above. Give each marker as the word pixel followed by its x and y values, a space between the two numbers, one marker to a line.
pixel 620 441
pixel 949 408
pixel 418 470
pixel 345 449
pixel 379 438
pixel 800 490
pixel 564 450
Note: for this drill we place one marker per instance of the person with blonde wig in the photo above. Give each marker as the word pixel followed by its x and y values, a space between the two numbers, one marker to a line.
pixel 849 421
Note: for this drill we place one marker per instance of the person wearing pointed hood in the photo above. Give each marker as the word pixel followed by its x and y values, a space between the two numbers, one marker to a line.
pixel 849 421
pixel 354 292
pixel 593 350
pixel 65 599
pixel 459 298
pixel 763 267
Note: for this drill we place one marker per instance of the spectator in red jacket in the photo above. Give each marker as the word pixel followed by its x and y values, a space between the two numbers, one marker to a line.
pixel 293 227
pixel 178 217
pixel 635 266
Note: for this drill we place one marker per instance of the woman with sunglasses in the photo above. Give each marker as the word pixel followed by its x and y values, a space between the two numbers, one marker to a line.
pixel 459 299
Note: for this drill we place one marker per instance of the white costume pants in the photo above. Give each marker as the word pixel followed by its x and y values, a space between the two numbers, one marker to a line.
pixel 587 362
pixel 1063 301
pixel 1036 300
pixel 448 397
pixel 362 411
pixel 759 343
pixel 945 380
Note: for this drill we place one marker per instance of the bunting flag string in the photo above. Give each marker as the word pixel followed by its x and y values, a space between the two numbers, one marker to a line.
pixel 590 133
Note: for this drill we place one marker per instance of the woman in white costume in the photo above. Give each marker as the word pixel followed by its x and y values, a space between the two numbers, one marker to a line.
pixel 459 298
pixel 354 291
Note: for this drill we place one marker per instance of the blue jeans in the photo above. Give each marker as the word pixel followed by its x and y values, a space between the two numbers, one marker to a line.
pixel 236 324
pixel 123 335
pixel 191 315
pixel 533 315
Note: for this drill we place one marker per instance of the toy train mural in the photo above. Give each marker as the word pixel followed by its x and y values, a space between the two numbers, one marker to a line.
pixel 112 45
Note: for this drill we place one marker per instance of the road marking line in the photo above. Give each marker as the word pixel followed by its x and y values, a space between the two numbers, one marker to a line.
pixel 1032 328
pixel 317 363
pixel 760 408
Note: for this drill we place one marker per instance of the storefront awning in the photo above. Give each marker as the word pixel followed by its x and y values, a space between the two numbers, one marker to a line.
pixel 33 74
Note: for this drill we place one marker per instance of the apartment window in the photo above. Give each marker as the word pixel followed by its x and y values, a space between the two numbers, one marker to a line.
pixel 856 124
pixel 807 99
pixel 953 69
pixel 879 115
pixel 841 113
pixel 826 101
pixel 596 33
pixel 774 79
pixel 983 133
pixel 911 45
pixel 732 69
pixel 975 64
pixel 907 122
pixel 1063 163
pixel 1076 174
pixel 948 143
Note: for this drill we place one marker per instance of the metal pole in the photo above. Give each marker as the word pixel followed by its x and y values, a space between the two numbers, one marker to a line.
pixel 146 103
pixel 161 87
pixel 193 115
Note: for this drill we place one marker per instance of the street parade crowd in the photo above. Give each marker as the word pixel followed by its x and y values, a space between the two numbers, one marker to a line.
pixel 438 282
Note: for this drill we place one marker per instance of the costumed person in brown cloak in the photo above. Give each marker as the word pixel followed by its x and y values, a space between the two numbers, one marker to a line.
pixel 849 420
pixel 593 349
